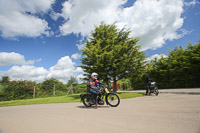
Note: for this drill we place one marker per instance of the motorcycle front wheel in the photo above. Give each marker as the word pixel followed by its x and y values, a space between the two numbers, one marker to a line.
pixel 112 99
pixel 156 92
pixel 86 101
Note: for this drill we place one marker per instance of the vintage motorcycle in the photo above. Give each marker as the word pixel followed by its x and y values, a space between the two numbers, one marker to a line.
pixel 111 98
pixel 153 88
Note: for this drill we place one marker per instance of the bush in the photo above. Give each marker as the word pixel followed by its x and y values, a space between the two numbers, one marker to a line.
pixel 46 88
pixel 17 90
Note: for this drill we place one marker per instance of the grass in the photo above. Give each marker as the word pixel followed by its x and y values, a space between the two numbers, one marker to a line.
pixel 59 99
pixel 130 95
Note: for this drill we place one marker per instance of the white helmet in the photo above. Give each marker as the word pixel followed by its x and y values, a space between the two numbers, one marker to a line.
pixel 94 75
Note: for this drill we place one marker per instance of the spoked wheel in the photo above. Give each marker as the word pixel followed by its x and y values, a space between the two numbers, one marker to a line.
pixel 112 99
pixel 156 92
pixel 86 101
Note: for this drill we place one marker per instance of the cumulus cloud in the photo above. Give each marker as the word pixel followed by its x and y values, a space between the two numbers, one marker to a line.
pixel 14 59
pixel 153 21
pixel 17 18
pixel 27 72
pixel 62 71
pixel 76 56
pixel 83 15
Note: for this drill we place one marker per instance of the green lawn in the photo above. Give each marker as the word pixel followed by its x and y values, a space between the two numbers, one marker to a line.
pixel 60 99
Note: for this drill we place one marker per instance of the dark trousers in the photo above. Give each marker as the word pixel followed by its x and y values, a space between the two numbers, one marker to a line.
pixel 147 89
pixel 94 92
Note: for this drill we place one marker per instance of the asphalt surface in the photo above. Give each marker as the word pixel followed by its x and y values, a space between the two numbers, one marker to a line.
pixel 172 111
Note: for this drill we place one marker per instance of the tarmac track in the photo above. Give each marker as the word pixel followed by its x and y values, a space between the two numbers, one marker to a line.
pixel 170 112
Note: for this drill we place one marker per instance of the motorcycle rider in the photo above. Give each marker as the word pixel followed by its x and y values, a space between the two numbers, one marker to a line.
pixel 148 83
pixel 94 86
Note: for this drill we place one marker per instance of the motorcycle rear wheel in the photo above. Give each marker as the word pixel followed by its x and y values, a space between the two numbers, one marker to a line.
pixel 86 101
pixel 112 99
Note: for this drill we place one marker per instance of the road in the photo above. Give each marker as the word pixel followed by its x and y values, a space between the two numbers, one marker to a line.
pixel 173 111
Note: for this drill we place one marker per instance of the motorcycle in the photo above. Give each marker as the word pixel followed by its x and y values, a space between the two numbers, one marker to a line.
pixel 111 98
pixel 153 89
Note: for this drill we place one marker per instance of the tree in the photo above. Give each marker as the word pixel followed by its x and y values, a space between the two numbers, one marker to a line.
pixel 111 53
pixel 48 86
pixel 5 80
pixel 72 80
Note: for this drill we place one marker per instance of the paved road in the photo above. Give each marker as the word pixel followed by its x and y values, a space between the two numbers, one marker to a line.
pixel 167 113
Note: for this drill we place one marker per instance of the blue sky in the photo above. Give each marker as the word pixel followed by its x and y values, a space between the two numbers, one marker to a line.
pixel 40 39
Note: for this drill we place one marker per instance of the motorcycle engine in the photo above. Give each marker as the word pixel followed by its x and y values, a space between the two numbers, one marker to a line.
pixel 100 101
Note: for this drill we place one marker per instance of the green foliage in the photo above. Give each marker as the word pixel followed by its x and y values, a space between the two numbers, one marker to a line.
pixel 4 80
pixel 72 80
pixel 47 87
pixel 14 90
pixel 112 54
pixel 17 90
pixel 80 88
pixel 180 69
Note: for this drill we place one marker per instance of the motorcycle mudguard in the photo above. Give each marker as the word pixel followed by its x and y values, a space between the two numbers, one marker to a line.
pixel 81 96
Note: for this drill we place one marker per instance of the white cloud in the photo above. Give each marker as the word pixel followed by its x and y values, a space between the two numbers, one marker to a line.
pixel 156 56
pixel 154 21
pixel 80 46
pixel 17 18
pixel 62 71
pixel 27 72
pixel 76 56
pixel 79 69
pixel 14 59
pixel 191 3
pixel 83 15
pixel 80 77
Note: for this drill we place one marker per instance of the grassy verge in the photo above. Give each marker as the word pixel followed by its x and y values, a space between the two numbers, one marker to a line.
pixel 130 95
pixel 60 99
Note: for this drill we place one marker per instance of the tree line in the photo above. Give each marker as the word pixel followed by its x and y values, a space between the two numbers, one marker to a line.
pixel 181 69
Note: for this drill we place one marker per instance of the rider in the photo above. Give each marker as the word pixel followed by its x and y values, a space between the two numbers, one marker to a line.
pixel 148 83
pixel 94 86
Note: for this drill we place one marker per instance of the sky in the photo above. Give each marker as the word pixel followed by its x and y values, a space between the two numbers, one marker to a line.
pixel 41 39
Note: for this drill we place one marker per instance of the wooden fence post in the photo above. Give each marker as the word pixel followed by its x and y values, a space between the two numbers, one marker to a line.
pixel 70 89
pixel 54 90
pixel 33 92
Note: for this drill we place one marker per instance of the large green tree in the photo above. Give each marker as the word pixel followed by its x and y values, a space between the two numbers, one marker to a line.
pixel 112 53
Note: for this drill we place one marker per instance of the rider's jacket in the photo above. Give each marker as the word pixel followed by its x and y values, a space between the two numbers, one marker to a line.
pixel 93 84
pixel 148 80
